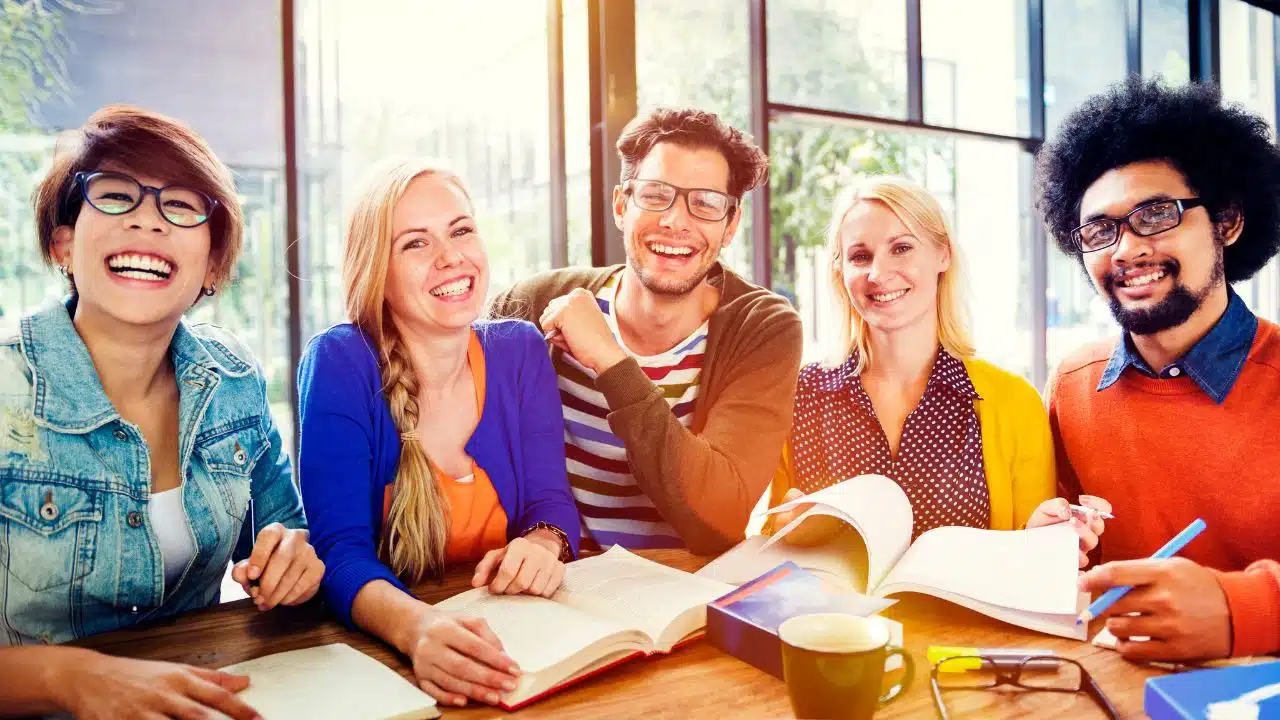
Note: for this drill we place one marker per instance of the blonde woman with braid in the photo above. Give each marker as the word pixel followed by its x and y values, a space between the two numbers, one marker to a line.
pixel 429 438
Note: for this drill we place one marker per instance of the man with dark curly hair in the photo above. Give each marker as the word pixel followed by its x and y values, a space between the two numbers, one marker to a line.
pixel 677 376
pixel 1166 196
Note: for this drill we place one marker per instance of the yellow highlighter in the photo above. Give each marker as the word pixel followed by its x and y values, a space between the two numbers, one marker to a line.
pixel 991 658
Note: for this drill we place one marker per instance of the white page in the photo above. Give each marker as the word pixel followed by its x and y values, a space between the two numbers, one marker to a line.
pixel 875 506
pixel 536 632
pixel 835 562
pixel 330 682
pixel 1030 570
pixel 636 592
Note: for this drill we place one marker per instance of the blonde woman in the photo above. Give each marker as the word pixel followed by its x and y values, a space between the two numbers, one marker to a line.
pixel 905 397
pixel 430 438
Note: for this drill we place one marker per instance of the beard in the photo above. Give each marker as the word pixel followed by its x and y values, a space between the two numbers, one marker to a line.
pixel 1176 308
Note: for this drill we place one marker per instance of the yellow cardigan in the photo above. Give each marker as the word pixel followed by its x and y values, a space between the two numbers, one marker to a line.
pixel 1017 447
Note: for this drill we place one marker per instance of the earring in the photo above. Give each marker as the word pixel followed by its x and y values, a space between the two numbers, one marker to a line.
pixel 209 291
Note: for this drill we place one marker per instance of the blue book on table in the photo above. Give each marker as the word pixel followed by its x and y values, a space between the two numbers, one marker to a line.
pixel 1188 695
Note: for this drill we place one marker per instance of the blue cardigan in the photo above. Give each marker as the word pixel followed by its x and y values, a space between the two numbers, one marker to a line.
pixel 350 448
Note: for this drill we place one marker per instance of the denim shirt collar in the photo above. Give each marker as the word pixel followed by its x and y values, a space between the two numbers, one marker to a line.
pixel 68 393
pixel 1213 363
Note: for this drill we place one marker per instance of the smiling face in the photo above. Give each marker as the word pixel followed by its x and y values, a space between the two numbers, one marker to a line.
pixel 137 267
pixel 891 275
pixel 438 273
pixel 1157 282
pixel 672 251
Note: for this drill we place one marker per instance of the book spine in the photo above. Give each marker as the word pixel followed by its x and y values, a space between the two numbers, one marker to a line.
pixel 747 642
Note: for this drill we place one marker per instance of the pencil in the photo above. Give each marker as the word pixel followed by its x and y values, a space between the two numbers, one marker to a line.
pixel 1171 548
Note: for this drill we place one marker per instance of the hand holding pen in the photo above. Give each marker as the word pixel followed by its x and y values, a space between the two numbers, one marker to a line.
pixel 1087 519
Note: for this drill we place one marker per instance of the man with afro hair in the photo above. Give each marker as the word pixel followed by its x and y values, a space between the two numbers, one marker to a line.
pixel 1166 196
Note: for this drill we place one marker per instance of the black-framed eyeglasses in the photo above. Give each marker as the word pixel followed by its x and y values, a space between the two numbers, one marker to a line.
pixel 1046 673
pixel 658 196
pixel 115 193
pixel 1145 220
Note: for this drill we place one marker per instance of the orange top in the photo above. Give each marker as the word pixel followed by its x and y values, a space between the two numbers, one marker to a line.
pixel 477 521
pixel 1164 453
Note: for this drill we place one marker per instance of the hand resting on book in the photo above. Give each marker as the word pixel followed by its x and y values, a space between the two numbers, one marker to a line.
pixel 527 565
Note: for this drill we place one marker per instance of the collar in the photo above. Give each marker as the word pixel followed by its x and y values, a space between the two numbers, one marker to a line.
pixel 1214 362
pixel 948 372
pixel 68 395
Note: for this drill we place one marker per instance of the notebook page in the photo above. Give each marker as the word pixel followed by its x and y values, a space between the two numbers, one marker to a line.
pixel 330 682
pixel 1032 570
pixel 536 632
pixel 875 506
pixel 635 592
pixel 841 562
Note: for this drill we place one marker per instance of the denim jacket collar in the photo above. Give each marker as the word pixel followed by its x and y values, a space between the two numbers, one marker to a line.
pixel 1213 363
pixel 68 394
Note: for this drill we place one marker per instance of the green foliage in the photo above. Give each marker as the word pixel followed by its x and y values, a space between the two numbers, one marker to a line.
pixel 33 52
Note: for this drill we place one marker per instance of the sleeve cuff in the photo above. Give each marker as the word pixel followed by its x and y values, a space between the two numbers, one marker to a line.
pixel 1253 599
pixel 342 584
pixel 624 384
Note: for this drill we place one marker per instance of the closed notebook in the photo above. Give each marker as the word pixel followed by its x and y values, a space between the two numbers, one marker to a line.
pixel 744 623
pixel 330 682
pixel 1188 695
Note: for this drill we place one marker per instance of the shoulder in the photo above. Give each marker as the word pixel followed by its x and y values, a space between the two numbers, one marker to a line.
pixel 761 307
pixel 821 377
pixel 1083 365
pixel 227 350
pixel 527 298
pixel 1000 387
pixel 345 346
pixel 510 345
pixel 1266 345
pixel 15 373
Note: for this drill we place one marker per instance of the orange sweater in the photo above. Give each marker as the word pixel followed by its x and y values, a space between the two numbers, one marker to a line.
pixel 1164 453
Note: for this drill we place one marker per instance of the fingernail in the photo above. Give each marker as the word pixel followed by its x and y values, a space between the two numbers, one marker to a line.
pixel 514 669
pixel 491 698
pixel 508 686
pixel 254 572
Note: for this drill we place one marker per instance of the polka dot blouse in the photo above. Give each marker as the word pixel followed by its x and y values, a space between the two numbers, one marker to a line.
pixel 837 436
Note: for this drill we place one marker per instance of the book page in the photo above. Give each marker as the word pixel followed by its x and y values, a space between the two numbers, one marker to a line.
pixel 840 563
pixel 638 593
pixel 536 632
pixel 1029 570
pixel 330 682
pixel 873 505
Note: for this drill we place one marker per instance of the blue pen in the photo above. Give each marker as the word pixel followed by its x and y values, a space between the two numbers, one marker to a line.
pixel 1171 548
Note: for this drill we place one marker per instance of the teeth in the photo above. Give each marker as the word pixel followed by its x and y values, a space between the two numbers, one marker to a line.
pixel 889 297
pixel 1141 280
pixel 139 275
pixel 457 287
pixel 125 262
pixel 670 250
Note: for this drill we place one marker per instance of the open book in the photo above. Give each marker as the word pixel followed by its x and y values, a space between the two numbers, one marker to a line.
pixel 1022 577
pixel 330 682
pixel 612 607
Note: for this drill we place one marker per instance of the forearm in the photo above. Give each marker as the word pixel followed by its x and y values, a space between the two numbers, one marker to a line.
pixel 389 613
pixel 29 683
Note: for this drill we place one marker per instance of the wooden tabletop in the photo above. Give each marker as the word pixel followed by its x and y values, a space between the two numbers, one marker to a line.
pixel 696 681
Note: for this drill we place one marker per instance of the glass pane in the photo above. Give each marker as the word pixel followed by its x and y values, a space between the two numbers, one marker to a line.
pixel 437 80
pixel 1084 52
pixel 712 37
pixel 976 85
pixel 982 186
pixel 577 130
pixel 839 55
pixel 88 55
pixel 1164 40
pixel 1247 36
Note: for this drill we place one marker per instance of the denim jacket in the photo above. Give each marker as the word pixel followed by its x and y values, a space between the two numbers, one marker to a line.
pixel 78 555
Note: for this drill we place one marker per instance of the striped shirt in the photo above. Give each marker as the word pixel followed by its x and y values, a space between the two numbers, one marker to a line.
pixel 614 510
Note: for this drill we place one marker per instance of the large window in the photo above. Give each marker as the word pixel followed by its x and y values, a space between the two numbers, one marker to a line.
pixel 1165 39
pixel 839 55
pixel 159 55
pixel 976 85
pixel 436 80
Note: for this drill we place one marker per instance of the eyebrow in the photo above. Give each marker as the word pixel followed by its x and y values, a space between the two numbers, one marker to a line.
pixel 1158 197
pixel 899 236
pixel 425 231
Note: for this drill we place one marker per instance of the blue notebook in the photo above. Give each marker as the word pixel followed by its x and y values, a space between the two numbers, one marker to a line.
pixel 1188 695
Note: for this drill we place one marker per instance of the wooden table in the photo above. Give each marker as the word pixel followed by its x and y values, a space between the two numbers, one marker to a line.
pixel 696 681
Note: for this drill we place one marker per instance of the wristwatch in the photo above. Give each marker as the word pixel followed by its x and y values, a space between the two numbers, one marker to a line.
pixel 566 552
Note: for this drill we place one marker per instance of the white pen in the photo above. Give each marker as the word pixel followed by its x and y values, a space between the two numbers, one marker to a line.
pixel 1083 512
